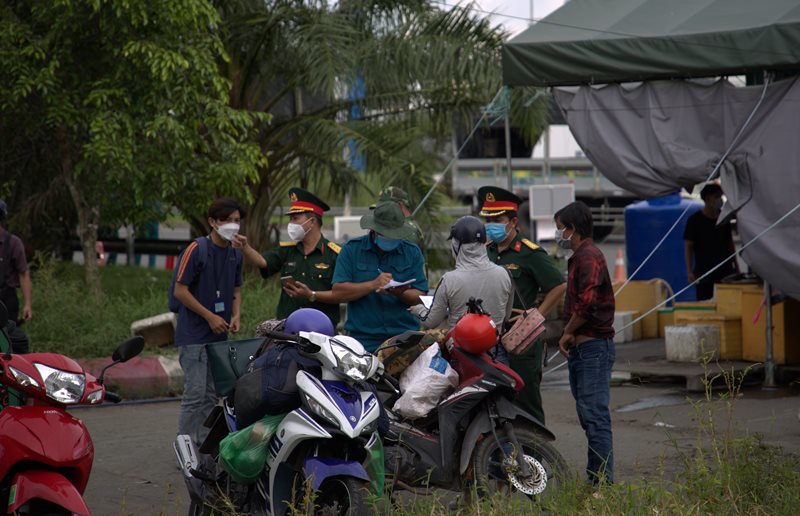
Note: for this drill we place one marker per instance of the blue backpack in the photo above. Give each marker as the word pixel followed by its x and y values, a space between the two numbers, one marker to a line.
pixel 202 256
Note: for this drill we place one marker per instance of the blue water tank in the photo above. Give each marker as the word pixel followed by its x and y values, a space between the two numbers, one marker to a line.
pixel 646 223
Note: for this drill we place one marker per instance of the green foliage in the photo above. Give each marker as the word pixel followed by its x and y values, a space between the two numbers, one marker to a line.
pixel 70 322
pixel 425 70
pixel 120 107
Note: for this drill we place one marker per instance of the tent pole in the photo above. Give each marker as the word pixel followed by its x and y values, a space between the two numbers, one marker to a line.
pixel 769 362
pixel 508 150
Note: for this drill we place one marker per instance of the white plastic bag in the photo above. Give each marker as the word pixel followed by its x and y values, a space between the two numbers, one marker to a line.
pixel 424 383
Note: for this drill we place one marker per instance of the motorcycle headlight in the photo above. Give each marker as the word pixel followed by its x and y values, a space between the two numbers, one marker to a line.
pixel 62 386
pixel 23 379
pixel 355 367
pixel 315 407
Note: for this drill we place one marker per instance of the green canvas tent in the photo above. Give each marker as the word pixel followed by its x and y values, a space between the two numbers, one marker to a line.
pixel 600 41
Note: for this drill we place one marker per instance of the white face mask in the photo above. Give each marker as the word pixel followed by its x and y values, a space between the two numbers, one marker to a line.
pixel 228 231
pixel 562 242
pixel 297 231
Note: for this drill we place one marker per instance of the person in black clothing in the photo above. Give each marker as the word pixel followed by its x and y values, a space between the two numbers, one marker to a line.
pixel 14 273
pixel 708 244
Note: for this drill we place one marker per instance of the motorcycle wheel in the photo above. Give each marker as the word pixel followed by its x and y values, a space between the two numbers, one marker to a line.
pixel 344 496
pixel 549 468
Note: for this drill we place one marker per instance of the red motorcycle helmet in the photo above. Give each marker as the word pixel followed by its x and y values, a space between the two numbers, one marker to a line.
pixel 475 333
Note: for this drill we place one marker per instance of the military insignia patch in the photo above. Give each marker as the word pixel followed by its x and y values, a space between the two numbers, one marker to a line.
pixel 490 197
pixel 322 266
pixel 518 246
pixel 293 197
pixel 512 266
pixel 530 244
pixel 334 247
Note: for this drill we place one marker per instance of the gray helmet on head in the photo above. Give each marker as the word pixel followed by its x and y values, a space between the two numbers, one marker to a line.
pixel 468 230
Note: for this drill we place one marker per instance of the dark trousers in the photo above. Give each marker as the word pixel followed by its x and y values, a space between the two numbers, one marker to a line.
pixel 9 298
pixel 529 367
pixel 590 366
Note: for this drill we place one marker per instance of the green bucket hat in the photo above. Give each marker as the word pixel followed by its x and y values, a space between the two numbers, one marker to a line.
pixel 387 219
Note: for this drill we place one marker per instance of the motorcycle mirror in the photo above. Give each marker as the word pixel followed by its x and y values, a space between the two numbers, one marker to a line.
pixel 3 315
pixel 128 349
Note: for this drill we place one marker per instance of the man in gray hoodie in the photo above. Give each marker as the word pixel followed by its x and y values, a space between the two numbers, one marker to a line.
pixel 474 276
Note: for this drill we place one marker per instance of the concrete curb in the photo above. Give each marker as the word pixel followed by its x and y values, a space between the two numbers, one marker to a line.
pixel 140 377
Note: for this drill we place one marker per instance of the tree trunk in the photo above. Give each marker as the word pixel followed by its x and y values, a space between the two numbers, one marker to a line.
pixel 88 217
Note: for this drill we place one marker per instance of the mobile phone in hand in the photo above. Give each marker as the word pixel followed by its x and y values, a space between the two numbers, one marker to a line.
pixel 287 280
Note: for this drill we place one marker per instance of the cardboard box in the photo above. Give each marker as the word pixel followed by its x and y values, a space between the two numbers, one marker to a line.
pixel 730 330
pixel 728 296
pixel 696 306
pixel 666 317
pixel 623 331
pixel 785 330
pixel 642 296
pixel 691 343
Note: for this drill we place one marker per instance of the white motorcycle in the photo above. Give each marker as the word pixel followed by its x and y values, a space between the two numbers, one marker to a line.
pixel 329 444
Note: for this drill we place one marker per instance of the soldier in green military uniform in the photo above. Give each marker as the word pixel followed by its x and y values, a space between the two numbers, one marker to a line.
pixel 309 259
pixel 534 273
pixel 399 196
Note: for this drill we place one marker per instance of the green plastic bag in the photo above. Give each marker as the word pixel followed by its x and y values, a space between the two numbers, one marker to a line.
pixel 374 464
pixel 243 454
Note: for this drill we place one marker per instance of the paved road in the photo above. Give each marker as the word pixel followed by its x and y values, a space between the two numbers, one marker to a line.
pixel 134 470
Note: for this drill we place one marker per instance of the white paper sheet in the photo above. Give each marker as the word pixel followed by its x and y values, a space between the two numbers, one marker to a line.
pixel 395 284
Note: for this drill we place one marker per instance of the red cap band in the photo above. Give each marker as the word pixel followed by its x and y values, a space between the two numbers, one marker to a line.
pixel 500 205
pixel 306 206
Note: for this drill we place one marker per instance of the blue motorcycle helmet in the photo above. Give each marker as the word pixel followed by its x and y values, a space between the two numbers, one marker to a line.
pixel 308 319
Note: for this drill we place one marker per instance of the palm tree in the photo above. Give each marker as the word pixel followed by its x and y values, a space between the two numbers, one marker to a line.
pixel 424 70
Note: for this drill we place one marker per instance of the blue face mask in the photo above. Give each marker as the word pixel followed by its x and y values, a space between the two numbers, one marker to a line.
pixel 496 231
pixel 387 245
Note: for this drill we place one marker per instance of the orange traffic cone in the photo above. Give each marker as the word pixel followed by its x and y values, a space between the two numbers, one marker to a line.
pixel 619 268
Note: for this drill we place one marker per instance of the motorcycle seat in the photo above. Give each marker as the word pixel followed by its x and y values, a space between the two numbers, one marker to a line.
pixel 520 384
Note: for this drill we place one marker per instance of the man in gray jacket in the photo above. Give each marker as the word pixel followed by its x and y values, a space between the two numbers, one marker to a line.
pixel 474 276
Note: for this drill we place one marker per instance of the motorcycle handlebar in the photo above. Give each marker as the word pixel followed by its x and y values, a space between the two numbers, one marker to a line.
pixel 277 335
pixel 391 382
pixel 113 397
pixel 303 344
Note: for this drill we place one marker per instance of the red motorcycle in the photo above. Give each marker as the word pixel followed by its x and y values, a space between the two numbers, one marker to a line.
pixel 46 453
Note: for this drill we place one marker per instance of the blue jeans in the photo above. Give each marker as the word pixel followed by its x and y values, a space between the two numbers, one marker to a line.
pixel 589 376
pixel 199 396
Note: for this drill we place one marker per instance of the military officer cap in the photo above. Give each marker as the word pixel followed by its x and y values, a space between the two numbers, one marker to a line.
pixel 496 201
pixel 304 201
pixel 392 194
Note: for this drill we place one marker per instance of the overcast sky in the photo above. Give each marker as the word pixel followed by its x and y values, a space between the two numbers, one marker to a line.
pixel 514 9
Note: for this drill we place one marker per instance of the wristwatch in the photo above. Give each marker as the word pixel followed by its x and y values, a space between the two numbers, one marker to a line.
pixel 313 296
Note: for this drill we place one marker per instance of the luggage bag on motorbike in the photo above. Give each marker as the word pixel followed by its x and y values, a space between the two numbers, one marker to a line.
pixel 270 385
pixel 400 351
pixel 424 383
pixel 228 360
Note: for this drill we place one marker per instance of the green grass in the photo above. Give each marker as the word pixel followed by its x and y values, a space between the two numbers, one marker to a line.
pixel 68 320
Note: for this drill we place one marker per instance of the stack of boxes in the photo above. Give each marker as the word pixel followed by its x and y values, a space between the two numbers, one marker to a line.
pixel 637 298
pixel 731 315
pixel 733 311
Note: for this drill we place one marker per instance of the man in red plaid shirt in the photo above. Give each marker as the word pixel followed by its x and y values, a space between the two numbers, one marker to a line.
pixel 588 340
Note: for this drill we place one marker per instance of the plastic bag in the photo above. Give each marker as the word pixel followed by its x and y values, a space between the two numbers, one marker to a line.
pixel 243 454
pixel 424 383
pixel 374 464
